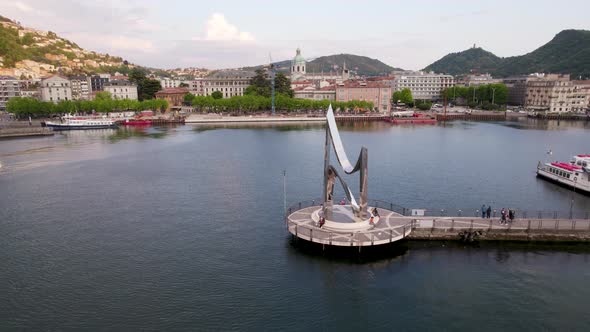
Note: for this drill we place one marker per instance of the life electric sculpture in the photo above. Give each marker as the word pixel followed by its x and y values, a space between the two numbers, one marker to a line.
pixel 330 173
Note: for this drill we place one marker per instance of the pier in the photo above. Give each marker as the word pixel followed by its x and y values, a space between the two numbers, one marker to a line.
pixel 25 132
pixel 397 223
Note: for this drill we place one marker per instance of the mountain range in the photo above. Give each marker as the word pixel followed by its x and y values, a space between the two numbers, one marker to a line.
pixel 567 53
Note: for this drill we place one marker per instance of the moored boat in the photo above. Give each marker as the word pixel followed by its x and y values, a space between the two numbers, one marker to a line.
pixel 81 124
pixel 409 117
pixel 136 122
pixel 574 175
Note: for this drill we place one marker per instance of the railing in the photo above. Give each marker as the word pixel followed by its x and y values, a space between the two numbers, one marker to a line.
pixel 458 212
pixel 496 213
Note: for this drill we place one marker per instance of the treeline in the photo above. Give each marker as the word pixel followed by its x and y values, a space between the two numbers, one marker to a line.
pixel 103 103
pixel 254 103
pixel 487 96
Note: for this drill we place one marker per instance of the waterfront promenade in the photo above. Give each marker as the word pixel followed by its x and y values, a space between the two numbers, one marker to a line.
pixel 213 118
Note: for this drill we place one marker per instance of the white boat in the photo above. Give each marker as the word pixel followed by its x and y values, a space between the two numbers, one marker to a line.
pixel 82 123
pixel 575 174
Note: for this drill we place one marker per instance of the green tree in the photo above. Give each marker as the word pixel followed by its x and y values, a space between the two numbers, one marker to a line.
pixel 217 95
pixel 403 96
pixel 147 88
pixel 259 84
pixel 283 85
pixel 188 98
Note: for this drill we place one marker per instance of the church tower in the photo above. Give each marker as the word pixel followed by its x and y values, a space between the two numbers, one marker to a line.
pixel 298 67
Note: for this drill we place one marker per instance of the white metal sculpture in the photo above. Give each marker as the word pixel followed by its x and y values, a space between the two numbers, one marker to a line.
pixel 330 173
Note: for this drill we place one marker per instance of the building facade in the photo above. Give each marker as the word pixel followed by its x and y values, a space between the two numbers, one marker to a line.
pixel 167 83
pixel 377 92
pixel 174 97
pixel 120 89
pixel 195 86
pixel 9 88
pixel 315 93
pixel 229 82
pixel 479 79
pixel 80 88
pixel 55 89
pixel 97 82
pixel 424 86
pixel 551 93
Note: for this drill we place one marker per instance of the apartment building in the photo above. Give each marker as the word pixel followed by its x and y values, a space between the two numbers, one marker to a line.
pixel 424 86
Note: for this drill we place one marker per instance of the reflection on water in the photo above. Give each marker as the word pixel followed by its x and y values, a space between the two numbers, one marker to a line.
pixel 540 124
pixel 124 133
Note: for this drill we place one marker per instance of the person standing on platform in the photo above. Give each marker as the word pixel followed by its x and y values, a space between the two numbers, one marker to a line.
pixel 489 212
pixel 483 211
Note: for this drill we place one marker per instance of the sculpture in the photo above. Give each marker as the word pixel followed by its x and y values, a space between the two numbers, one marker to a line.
pixel 330 173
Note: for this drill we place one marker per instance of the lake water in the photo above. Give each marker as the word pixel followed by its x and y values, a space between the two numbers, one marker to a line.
pixel 181 228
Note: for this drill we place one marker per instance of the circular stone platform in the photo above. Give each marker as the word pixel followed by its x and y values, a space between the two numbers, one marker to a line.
pixel 341 228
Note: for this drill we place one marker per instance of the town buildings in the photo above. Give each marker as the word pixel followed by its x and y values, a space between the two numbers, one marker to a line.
pixel 478 79
pixel 424 86
pixel 315 93
pixel 121 89
pixel 556 93
pixel 9 88
pixel 229 82
pixel 169 83
pixel 195 86
pixel 97 81
pixel 80 88
pixel 377 92
pixel 55 89
pixel 174 96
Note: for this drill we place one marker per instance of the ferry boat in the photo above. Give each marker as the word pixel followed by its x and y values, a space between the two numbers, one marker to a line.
pixel 574 175
pixel 82 123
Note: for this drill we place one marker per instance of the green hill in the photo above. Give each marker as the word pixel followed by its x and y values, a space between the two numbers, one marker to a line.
pixel 471 60
pixel 362 64
pixel 568 53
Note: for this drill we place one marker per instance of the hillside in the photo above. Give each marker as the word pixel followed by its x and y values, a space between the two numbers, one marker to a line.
pixel 35 53
pixel 471 60
pixel 568 52
pixel 363 65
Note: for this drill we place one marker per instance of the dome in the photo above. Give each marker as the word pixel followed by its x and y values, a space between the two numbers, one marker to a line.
pixel 298 59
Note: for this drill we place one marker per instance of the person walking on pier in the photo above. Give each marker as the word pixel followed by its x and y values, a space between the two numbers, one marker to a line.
pixel 489 212
pixel 503 216
pixel 483 211
pixel 511 215
pixel 322 221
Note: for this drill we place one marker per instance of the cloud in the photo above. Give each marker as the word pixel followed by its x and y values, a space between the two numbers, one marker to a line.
pixel 23 6
pixel 219 29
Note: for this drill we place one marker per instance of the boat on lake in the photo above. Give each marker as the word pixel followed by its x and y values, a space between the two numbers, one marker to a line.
pixel 81 124
pixel 136 122
pixel 574 174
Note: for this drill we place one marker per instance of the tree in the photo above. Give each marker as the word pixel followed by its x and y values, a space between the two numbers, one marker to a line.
pixel 259 84
pixel 283 85
pixel 188 98
pixel 403 96
pixel 147 88
pixel 103 95
pixel 217 95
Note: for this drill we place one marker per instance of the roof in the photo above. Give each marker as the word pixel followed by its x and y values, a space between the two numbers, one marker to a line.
pixel 55 76
pixel 118 83
pixel 172 91
pixel 363 85
pixel 7 78
pixel 232 73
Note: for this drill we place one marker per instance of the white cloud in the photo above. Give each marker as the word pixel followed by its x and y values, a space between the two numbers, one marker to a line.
pixel 219 29
pixel 23 6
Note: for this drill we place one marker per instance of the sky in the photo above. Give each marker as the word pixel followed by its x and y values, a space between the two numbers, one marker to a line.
pixel 229 34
